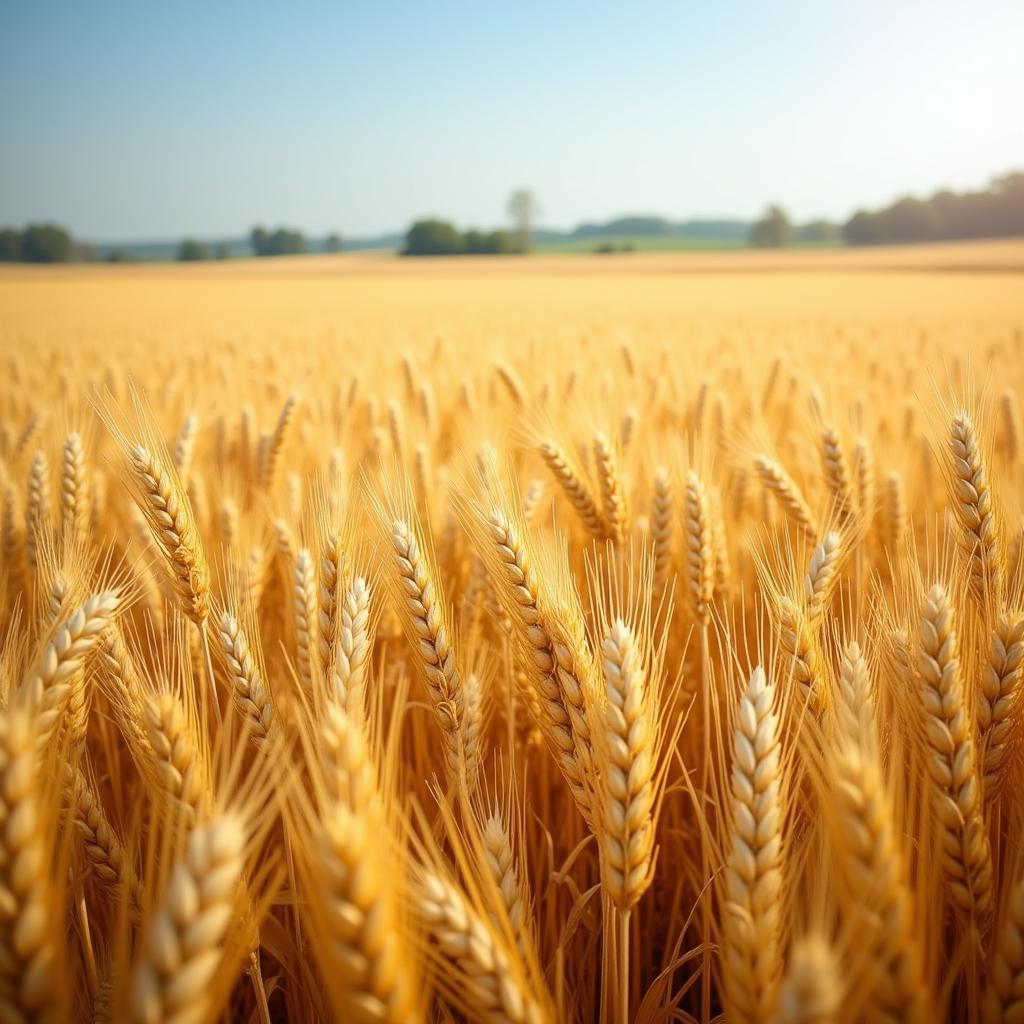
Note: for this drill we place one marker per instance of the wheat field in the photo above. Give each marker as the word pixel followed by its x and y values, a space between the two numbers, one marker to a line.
pixel 531 640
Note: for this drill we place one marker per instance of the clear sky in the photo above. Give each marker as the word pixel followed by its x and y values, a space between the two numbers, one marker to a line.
pixel 155 120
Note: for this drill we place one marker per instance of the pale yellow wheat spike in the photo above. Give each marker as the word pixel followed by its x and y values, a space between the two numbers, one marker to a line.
pixel 837 473
pixel 613 500
pixel 501 865
pixel 561 702
pixel 354 899
pixel 184 948
pixel 185 446
pixel 864 467
pixel 626 825
pixel 872 868
pixel 812 990
pixel 575 489
pixel 49 687
pixel 662 513
pixel 822 576
pixel 1011 424
pixel 267 467
pixel 353 648
pixel 788 495
pixel 855 702
pixel 103 849
pixel 426 617
pixel 956 787
pixel 305 617
pixel 700 557
pixel 330 582
pixel 227 523
pixel 249 692
pixel 973 506
pixel 126 693
pixel 74 492
pixel 802 656
pixel 1004 998
pixel 532 499
pixel 487 979
pixel 38 511
pixel 895 515
pixel 28 897
pixel 179 761
pixel 164 504
pixel 998 696
pixel 751 953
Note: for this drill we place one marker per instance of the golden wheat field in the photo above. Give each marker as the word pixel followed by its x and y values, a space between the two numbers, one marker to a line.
pixel 530 640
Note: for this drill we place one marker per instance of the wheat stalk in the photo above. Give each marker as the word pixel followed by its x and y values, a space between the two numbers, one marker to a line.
pixel 305 617
pixel 837 473
pixel 661 526
pixel 788 495
pixel 811 992
pixel 353 647
pixel 964 849
pixel 626 830
pixel 74 491
pixel 248 690
pixel 998 695
pixel 575 488
pixel 1004 998
pixel 488 982
pixel 822 576
pixel 972 503
pixel 612 498
pixel 753 866
pixel 28 899
pixel 700 558
pixel 184 949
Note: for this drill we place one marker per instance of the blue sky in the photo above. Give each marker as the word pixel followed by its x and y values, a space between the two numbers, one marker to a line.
pixel 146 120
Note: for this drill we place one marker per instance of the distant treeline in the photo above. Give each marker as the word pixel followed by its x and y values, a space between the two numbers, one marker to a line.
pixel 37 243
pixel 439 238
pixel 995 212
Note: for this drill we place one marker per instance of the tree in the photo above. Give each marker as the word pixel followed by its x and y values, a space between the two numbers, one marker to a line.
pixel 523 209
pixel 817 231
pixel 433 238
pixel 773 230
pixel 192 250
pixel 282 242
pixel 333 242
pixel 222 252
pixel 46 243
pixel 10 245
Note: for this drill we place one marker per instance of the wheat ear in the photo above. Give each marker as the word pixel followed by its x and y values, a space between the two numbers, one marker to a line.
pixel 178 759
pixel 822 575
pixel 74 491
pixel 305 617
pixel 802 654
pixel 501 865
pixel 787 494
pixel 753 871
pixel 972 503
pixel 964 849
pixel 424 612
pixel 575 489
pixel 873 869
pixel 661 526
pixel 811 992
pixel 489 984
pixel 169 515
pixel 367 969
pixel 997 698
pixel 248 690
pixel 37 505
pixel 103 849
pixel 837 473
pixel 270 459
pixel 700 556
pixel 353 646
pixel 50 687
pixel 330 582
pixel 1004 998
pixel 185 946
pixel 626 831
pixel 28 900
pixel 864 468
pixel 895 514
pixel 613 500
pixel 561 702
